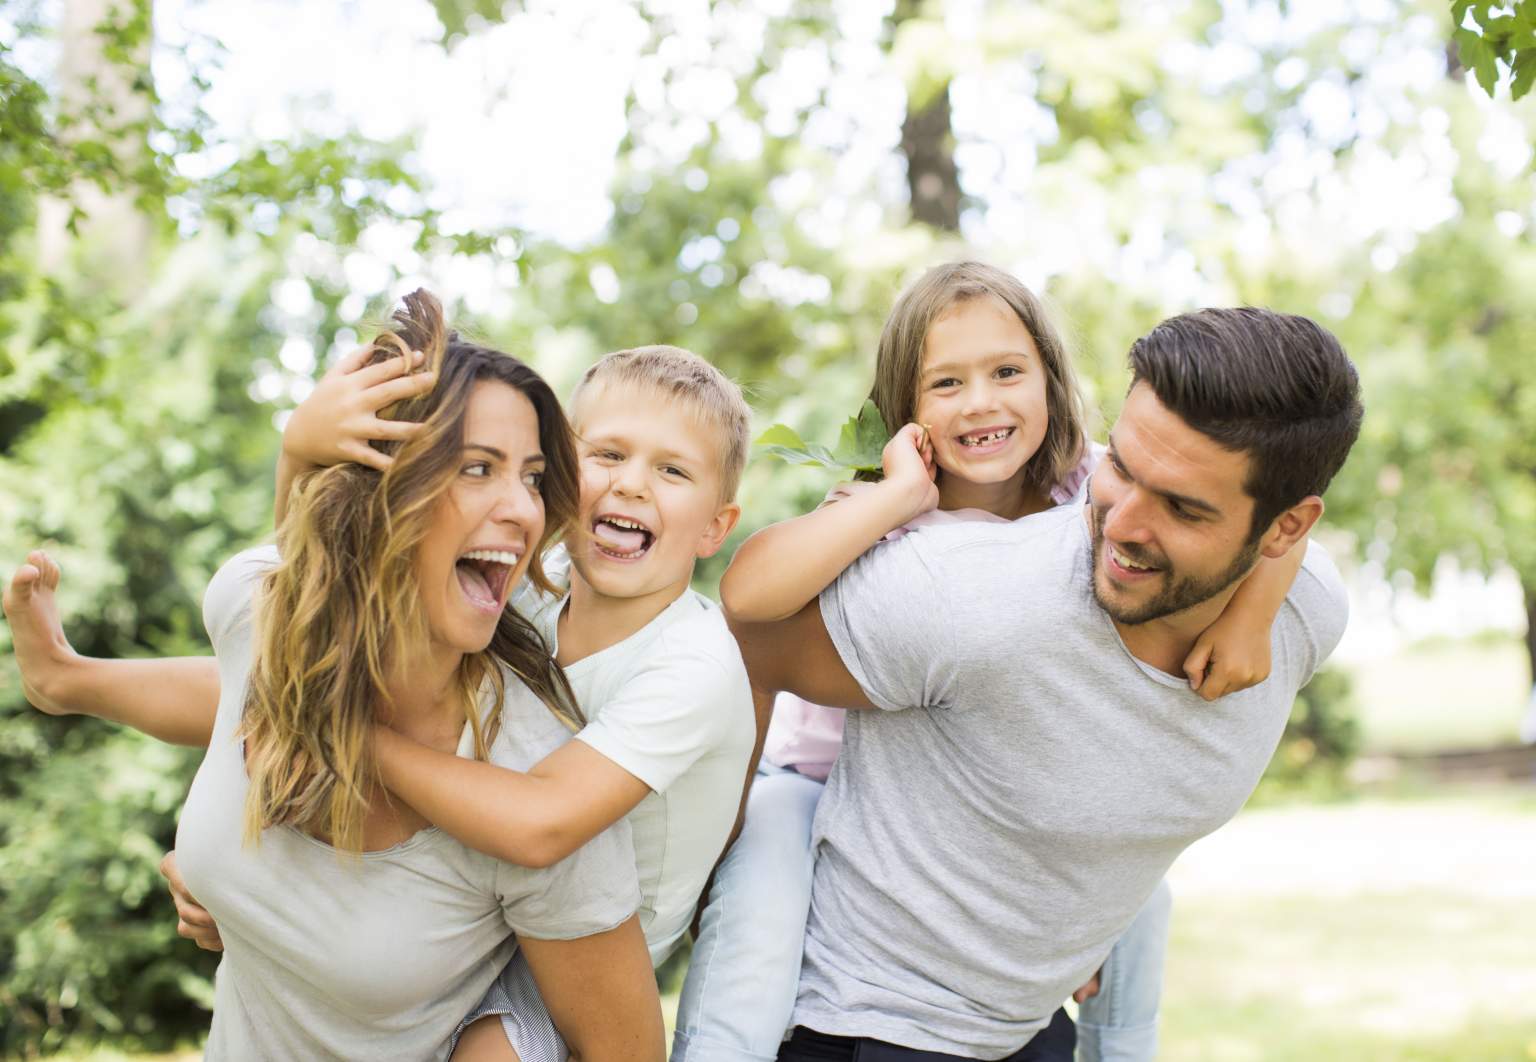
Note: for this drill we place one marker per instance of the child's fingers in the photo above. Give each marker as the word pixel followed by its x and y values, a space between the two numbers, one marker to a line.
pixel 399 388
pixel 1195 664
pixel 363 454
pixel 388 369
pixel 351 361
pixel 398 430
pixel 48 571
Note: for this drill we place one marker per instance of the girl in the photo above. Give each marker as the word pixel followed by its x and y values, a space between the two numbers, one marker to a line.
pixel 974 381
pixel 350 928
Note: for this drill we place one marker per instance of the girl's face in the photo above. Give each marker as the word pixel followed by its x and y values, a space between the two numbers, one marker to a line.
pixel 981 392
pixel 486 525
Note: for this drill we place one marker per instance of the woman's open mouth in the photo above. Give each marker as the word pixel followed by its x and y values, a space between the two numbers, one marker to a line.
pixel 621 538
pixel 484 575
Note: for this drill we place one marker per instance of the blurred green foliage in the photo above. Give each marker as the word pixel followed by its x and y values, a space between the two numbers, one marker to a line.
pixel 137 404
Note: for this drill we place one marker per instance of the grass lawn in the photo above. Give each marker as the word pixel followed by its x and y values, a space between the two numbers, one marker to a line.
pixel 1369 931
pixel 1440 696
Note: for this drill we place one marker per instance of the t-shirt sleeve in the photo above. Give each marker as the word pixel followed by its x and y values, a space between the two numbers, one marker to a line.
pixel 228 601
pixel 892 623
pixel 592 890
pixel 1315 613
pixel 683 703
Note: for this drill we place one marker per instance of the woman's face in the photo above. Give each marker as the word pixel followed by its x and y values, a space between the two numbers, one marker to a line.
pixel 484 528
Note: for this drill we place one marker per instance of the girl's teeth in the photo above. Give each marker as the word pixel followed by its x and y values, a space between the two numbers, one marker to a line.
pixel 982 440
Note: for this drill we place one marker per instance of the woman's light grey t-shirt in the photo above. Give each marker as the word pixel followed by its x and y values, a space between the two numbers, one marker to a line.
pixel 985 840
pixel 379 956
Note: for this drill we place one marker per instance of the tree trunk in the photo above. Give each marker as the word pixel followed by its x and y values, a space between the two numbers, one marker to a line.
pixel 933 180
pixel 101 94
pixel 1530 627
pixel 928 143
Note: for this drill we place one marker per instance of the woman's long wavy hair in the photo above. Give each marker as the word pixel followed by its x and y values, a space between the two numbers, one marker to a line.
pixel 344 603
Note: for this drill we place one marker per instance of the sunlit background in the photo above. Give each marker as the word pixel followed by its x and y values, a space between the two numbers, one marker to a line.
pixel 202 203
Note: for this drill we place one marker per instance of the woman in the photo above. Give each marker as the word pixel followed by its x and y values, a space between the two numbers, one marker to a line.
pixel 351 928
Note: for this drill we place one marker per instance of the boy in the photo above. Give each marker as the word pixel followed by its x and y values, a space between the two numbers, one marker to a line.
pixel 662 439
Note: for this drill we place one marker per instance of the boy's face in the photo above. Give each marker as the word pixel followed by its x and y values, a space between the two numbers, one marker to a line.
pixel 650 492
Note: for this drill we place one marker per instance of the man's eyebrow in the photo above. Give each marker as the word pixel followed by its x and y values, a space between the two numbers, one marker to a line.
pixel 1184 500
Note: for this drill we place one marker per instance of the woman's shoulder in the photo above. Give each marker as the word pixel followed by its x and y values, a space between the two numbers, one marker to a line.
pixel 232 590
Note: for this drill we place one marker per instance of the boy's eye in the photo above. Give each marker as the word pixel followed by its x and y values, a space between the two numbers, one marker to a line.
pixel 673 470
pixel 607 455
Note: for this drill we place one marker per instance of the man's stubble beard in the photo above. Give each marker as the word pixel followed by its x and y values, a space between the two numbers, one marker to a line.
pixel 1177 594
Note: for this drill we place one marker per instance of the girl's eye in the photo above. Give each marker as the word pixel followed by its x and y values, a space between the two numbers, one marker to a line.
pixel 944 381
pixel 1009 370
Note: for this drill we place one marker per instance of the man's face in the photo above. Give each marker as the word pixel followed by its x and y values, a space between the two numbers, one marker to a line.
pixel 1169 515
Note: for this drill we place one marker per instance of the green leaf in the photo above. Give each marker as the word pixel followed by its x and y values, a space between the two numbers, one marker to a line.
pixel 781 435
pixel 1525 74
pixel 863 439
pixel 1477 56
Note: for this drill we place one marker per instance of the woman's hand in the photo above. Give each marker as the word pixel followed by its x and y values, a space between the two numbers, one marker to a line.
pixel 192 920
pixel 341 416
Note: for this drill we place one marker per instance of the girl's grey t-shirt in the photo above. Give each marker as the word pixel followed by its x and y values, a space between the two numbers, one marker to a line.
pixel 377 956
pixel 984 841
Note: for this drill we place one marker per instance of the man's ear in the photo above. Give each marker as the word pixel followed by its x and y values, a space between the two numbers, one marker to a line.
pixel 1291 526
pixel 717 529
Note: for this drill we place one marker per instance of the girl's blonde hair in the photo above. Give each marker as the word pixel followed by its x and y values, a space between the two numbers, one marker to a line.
pixel 899 360
pixel 344 602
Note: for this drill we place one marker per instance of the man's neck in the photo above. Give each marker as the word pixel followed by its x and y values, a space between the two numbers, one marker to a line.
pixel 1166 642
pixel 591 622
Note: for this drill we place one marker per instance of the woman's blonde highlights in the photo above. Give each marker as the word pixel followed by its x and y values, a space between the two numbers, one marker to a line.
pixel 343 604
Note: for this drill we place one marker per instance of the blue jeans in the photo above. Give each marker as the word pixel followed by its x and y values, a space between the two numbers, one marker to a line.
pixel 740 990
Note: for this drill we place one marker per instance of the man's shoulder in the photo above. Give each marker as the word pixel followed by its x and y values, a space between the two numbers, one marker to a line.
pixel 1019 547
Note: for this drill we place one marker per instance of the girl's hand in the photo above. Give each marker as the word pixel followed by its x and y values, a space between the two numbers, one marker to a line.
pixel 43 654
pixel 1227 657
pixel 340 417
pixel 908 464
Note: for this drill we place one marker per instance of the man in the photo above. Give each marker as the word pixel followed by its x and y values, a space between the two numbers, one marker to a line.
pixel 1039 760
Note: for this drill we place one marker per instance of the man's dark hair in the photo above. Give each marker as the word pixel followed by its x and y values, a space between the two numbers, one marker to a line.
pixel 1275 386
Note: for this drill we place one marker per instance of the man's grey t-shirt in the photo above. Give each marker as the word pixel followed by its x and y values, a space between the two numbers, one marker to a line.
pixel 984 841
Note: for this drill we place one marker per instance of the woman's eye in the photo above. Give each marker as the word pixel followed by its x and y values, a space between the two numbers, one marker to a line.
pixel 478 469
pixel 533 480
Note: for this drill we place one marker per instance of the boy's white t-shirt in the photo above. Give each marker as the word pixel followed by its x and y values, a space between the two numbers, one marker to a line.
pixel 377 955
pixel 671 705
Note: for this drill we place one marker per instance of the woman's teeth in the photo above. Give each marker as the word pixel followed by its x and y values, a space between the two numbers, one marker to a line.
pixel 495 556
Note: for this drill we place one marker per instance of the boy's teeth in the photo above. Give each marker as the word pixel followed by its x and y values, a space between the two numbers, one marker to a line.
pixel 628 525
pixel 495 556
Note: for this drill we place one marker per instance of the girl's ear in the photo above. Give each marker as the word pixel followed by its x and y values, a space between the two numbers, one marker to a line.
pixel 716 531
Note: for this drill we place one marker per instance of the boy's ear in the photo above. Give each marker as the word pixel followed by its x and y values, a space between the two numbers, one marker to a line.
pixel 1291 526
pixel 715 532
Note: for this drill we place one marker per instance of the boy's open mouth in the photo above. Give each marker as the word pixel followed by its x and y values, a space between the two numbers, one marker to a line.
pixel 483 575
pixel 986 438
pixel 621 537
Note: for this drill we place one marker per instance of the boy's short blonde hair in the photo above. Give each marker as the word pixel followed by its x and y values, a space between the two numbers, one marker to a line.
pixel 709 394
